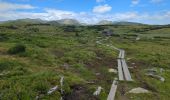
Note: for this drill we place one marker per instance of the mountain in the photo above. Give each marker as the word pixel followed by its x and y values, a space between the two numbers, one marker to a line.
pixel 24 21
pixel 63 22
pixel 68 22
pixel 28 20
pixel 105 22
pixel 53 23
pixel 39 21
pixel 126 23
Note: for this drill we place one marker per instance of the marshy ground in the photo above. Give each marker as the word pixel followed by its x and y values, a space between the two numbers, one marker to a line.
pixel 33 57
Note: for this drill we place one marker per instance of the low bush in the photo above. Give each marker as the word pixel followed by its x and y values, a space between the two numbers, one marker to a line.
pixel 9 64
pixel 18 48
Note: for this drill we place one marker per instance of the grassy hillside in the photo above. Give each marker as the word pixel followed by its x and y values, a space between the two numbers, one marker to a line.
pixel 33 57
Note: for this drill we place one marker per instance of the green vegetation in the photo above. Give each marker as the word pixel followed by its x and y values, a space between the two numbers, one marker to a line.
pixel 33 57
pixel 19 48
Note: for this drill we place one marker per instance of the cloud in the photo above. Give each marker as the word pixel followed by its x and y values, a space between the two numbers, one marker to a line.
pixel 98 1
pixel 135 2
pixel 87 17
pixel 4 6
pixel 55 14
pixel 102 8
pixel 156 1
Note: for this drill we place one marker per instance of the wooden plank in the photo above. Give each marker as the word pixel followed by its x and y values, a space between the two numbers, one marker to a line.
pixel 120 53
pixel 120 70
pixel 123 54
pixel 126 70
pixel 112 92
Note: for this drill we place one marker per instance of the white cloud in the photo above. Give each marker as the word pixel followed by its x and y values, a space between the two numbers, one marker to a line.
pixel 87 17
pixel 59 14
pixel 135 2
pixel 102 8
pixel 156 1
pixel 98 1
pixel 4 6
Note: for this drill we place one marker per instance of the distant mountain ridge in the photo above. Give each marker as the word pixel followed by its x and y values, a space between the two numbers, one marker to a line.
pixel 105 22
pixel 65 22
pixel 23 21
pixel 68 22
pixel 126 23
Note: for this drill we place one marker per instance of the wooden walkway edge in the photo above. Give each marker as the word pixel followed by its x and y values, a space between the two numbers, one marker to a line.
pixel 112 92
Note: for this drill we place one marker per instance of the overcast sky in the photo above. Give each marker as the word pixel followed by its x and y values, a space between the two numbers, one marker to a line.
pixel 88 11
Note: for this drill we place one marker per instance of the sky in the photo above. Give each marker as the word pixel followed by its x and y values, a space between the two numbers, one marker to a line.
pixel 88 11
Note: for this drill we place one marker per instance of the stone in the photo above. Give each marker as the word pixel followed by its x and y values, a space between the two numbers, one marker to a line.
pixel 97 92
pixel 52 90
pixel 111 70
pixel 133 63
pixel 156 77
pixel 97 74
pixel 161 70
pixel 138 90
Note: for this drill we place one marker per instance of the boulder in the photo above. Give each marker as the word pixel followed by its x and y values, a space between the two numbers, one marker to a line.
pixel 138 90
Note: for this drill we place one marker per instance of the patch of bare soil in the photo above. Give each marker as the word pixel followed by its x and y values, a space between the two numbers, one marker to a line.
pixel 79 92
pixel 99 64
pixel 102 61
pixel 122 89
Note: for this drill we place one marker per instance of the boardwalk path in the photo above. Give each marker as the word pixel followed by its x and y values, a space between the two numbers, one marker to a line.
pixel 112 92
pixel 124 66
pixel 123 71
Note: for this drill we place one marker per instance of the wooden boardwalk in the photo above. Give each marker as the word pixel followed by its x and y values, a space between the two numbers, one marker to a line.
pixel 126 70
pixel 120 70
pixel 112 92
pixel 123 71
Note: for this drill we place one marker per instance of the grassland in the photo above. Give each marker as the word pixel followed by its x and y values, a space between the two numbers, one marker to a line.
pixel 52 51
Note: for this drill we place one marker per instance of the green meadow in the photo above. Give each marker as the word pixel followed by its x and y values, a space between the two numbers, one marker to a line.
pixel 33 57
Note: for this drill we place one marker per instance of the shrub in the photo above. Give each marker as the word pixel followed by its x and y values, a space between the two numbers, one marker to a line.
pixel 3 37
pixel 34 29
pixel 18 48
pixel 6 64
pixel 41 86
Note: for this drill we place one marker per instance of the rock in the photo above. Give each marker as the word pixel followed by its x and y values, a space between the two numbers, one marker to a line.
pixel 97 74
pixel 61 83
pixel 90 82
pixel 152 70
pixel 130 67
pixel 111 70
pixel 115 78
pixel 161 70
pixel 137 38
pixel 133 63
pixel 138 90
pixel 52 90
pixel 4 73
pixel 98 42
pixel 98 58
pixel 156 76
pixel 129 58
pixel 97 92
pixel 66 66
pixel 98 37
